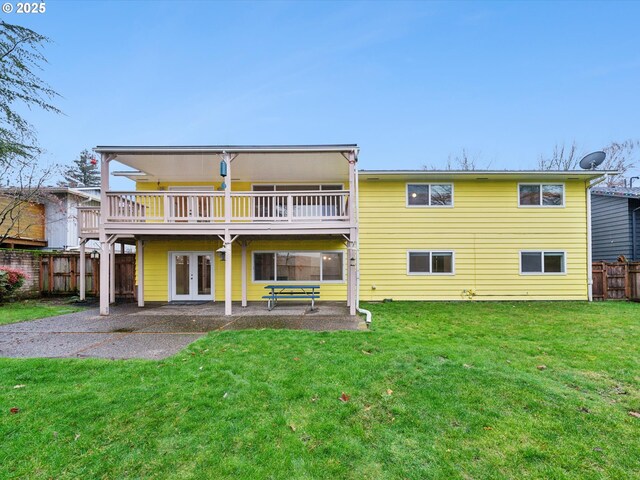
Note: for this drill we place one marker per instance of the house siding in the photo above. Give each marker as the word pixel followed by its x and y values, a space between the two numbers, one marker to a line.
pixel 156 266
pixel 485 228
pixel 610 228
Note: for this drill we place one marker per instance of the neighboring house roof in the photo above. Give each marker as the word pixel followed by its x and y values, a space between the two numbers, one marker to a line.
pixel 623 192
pixel 82 192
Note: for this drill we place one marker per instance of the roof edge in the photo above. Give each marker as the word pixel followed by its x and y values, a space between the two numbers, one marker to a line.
pixel 142 149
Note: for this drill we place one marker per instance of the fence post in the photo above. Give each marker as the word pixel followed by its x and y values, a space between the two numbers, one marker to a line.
pixel 73 271
pixel 50 274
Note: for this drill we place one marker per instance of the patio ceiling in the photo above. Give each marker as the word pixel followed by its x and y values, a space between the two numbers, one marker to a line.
pixel 250 164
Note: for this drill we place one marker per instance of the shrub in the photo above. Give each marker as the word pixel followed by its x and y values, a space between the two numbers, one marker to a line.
pixel 11 279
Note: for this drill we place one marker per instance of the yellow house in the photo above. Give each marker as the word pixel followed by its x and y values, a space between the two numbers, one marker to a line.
pixel 222 223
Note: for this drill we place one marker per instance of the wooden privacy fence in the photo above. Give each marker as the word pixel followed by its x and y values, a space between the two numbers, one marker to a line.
pixel 60 274
pixel 616 281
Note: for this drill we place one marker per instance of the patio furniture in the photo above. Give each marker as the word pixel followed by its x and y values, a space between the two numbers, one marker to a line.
pixel 291 292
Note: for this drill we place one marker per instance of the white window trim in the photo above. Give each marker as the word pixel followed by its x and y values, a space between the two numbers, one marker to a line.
pixel 296 282
pixel 564 262
pixel 564 191
pixel 431 252
pixel 406 195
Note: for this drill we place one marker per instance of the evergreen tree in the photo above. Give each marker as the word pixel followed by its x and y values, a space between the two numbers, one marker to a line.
pixel 83 173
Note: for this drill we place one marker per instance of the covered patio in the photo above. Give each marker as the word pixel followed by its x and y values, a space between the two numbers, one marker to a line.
pixel 233 195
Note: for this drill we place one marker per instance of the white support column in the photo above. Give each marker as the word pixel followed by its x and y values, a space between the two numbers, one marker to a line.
pixel 227 191
pixel 104 246
pixel 140 256
pixel 227 273
pixel 83 270
pixel 349 279
pixel 244 273
pixel 352 284
pixel 112 273
pixel 352 189
pixel 352 273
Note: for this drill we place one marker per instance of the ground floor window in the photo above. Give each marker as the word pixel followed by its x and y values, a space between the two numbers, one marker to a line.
pixel 423 262
pixel 542 262
pixel 297 266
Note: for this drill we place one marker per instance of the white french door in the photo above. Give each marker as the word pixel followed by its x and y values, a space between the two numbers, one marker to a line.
pixel 191 276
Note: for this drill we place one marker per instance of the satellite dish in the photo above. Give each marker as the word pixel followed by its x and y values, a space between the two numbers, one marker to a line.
pixel 591 161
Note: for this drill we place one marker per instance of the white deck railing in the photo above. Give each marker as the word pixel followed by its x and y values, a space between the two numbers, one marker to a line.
pixel 88 221
pixel 209 207
pixel 289 206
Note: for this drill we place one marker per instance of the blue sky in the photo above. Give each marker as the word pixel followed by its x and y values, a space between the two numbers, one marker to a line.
pixel 410 82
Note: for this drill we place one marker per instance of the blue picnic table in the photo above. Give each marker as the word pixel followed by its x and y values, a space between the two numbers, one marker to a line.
pixel 286 292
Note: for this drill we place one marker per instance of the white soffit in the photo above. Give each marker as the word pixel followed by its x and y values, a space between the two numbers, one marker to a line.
pixel 246 167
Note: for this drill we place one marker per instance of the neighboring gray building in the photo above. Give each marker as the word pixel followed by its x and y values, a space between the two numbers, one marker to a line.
pixel 61 215
pixel 615 223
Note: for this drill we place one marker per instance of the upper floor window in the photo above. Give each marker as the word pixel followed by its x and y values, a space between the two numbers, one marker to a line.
pixel 542 262
pixel 541 195
pixel 429 194
pixel 421 262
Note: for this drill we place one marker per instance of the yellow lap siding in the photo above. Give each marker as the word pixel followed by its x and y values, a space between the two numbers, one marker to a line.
pixel 485 228
pixel 156 264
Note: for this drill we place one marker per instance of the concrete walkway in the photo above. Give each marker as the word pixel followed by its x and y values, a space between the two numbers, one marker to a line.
pixel 155 331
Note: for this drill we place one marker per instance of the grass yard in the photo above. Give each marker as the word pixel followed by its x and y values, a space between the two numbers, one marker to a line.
pixel 436 390
pixel 32 309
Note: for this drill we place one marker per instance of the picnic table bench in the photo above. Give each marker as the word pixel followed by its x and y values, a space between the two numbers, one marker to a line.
pixel 287 292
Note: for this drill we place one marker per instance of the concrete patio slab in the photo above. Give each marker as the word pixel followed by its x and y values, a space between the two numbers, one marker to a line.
pixel 50 345
pixel 157 330
pixel 154 346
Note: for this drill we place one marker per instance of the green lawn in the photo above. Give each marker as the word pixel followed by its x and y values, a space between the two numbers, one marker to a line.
pixel 437 390
pixel 32 309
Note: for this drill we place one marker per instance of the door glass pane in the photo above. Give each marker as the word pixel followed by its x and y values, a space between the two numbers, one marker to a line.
pixel 529 194
pixel 182 274
pixel 531 262
pixel 204 274
pixel 298 266
pixel 331 266
pixel 554 262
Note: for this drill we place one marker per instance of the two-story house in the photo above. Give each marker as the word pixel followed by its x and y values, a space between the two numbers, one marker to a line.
pixel 220 223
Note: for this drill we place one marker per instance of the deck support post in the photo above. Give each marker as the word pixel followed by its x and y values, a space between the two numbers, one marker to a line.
pixel 352 274
pixel 140 256
pixel 352 248
pixel 104 245
pixel 112 273
pixel 244 273
pixel 227 190
pixel 83 270
pixel 227 273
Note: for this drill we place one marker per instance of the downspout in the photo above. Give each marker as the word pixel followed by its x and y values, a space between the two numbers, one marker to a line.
pixel 634 240
pixel 367 313
pixel 590 185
